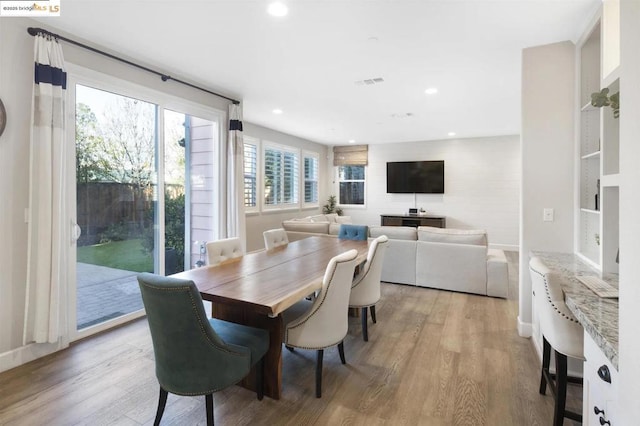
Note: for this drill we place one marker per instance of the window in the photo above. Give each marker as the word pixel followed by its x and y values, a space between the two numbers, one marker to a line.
pixel 250 174
pixel 311 178
pixel 281 176
pixel 351 180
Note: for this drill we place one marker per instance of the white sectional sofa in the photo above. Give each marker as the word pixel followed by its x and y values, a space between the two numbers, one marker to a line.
pixel 442 258
pixel 448 259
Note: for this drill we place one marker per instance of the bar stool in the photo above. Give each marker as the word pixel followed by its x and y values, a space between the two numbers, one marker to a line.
pixel 560 332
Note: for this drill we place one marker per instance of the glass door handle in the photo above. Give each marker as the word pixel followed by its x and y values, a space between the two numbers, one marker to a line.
pixel 76 231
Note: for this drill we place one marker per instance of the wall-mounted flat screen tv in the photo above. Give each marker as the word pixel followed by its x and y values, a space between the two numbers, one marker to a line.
pixel 415 177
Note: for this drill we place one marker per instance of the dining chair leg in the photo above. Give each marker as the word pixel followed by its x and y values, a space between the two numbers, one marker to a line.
pixel 373 313
pixel 209 403
pixel 260 379
pixel 561 389
pixel 546 360
pixel 319 373
pixel 162 402
pixel 365 332
pixel 341 352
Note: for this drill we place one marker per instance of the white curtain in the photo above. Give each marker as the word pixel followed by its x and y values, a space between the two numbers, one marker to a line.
pixel 45 310
pixel 235 176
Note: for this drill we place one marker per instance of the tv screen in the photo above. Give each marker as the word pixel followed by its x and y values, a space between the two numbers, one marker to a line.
pixel 420 177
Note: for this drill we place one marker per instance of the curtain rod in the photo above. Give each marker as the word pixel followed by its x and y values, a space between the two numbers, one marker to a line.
pixel 35 31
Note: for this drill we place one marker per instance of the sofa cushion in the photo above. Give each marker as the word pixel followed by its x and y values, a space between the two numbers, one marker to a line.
pixel 334 229
pixel 299 226
pixel 319 218
pixel 394 232
pixel 449 235
pixel 331 217
pixel 343 219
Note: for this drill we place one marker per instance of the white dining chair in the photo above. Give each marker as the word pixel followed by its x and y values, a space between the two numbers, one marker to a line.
pixel 222 250
pixel 323 322
pixel 365 289
pixel 275 238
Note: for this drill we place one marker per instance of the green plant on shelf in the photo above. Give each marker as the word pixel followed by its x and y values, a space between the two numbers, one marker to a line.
pixel 601 99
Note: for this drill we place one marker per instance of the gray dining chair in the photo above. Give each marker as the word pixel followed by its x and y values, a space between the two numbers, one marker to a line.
pixel 195 355
pixel 323 322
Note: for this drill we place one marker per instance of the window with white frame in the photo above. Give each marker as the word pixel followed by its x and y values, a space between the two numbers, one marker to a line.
pixel 250 174
pixel 311 165
pixel 351 185
pixel 281 176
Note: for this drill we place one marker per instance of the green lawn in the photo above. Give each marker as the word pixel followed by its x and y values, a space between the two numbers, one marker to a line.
pixel 127 255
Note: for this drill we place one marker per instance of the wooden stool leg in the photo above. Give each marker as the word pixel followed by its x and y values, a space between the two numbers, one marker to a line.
pixel 546 360
pixel 209 404
pixel 319 373
pixel 365 332
pixel 162 402
pixel 341 352
pixel 561 388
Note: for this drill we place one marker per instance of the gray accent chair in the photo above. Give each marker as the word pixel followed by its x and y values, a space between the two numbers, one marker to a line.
pixel 195 355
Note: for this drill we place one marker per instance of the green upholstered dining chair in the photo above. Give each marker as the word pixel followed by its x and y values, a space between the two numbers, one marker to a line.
pixel 195 355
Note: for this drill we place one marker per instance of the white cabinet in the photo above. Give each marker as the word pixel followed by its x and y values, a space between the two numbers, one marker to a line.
pixel 599 395
pixel 598 134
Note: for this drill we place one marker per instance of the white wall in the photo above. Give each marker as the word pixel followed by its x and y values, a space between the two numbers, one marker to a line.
pixel 629 316
pixel 482 184
pixel 16 74
pixel 548 80
pixel 257 223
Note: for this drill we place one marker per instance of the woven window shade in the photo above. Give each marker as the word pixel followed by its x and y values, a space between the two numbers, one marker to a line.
pixel 350 155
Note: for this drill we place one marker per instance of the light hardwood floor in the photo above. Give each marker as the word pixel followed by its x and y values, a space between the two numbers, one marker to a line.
pixel 433 358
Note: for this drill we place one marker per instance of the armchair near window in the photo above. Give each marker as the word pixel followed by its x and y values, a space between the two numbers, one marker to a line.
pixel 193 355
pixel 323 323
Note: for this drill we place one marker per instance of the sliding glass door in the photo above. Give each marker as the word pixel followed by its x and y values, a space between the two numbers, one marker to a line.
pixel 144 198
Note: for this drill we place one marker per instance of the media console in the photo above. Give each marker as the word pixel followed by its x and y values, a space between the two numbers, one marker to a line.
pixel 414 220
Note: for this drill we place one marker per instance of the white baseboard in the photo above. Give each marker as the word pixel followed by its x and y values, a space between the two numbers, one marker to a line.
pixel 525 329
pixel 28 353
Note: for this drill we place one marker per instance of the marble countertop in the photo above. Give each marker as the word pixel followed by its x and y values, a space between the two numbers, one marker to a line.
pixel 598 316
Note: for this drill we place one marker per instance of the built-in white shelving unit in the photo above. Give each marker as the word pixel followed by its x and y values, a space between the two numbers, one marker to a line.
pixel 598 147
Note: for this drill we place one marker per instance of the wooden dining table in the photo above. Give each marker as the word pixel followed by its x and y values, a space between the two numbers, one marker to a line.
pixel 256 288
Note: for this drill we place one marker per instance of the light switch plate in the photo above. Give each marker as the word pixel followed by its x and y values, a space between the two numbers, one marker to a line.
pixel 547 215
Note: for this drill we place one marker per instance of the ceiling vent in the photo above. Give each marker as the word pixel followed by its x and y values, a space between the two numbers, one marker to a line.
pixel 369 81
pixel 402 115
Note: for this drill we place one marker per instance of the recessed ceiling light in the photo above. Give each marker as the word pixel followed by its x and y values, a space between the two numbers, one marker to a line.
pixel 277 9
pixel 352 141
pixel 451 133
pixel 277 111
pixel 431 91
